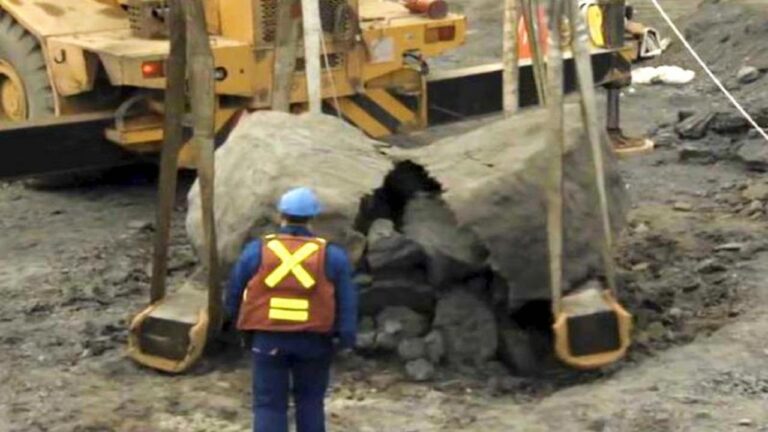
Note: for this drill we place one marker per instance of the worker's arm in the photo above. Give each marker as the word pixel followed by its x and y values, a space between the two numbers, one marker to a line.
pixel 340 273
pixel 246 267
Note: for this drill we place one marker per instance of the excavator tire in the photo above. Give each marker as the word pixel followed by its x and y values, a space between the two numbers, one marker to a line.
pixel 23 68
pixel 25 88
pixel 26 92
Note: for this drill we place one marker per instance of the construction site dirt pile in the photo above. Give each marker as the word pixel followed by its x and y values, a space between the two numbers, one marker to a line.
pixel 463 218
pixel 728 37
pixel 733 42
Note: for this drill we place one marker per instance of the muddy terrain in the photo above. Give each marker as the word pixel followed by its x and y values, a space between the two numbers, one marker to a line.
pixel 74 267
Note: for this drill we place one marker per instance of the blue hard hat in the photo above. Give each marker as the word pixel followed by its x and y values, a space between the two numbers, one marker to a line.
pixel 299 202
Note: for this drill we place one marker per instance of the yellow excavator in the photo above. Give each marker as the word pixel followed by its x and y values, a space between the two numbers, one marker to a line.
pixel 93 72
pixel 591 328
pixel 100 67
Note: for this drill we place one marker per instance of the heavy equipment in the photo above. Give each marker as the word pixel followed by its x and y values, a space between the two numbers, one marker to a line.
pixel 591 329
pixel 92 72
pixel 69 58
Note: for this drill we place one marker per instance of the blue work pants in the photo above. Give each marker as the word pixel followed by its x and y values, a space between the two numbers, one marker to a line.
pixel 290 364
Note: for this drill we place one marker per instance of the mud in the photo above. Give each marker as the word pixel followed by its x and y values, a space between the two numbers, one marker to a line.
pixel 693 265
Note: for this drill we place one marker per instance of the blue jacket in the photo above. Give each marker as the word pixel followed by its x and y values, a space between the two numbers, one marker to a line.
pixel 338 270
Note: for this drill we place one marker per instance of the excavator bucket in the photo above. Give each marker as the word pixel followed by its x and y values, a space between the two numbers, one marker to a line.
pixel 592 330
pixel 170 335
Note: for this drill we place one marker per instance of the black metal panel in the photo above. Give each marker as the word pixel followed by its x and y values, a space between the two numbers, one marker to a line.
pixel 377 112
pixel 73 143
pixel 478 91
pixel 593 334
pixel 164 338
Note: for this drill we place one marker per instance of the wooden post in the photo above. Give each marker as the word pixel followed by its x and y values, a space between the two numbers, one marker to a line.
pixel 312 34
pixel 511 80
pixel 286 46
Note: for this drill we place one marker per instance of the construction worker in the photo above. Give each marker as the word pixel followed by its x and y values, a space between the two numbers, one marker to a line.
pixel 294 293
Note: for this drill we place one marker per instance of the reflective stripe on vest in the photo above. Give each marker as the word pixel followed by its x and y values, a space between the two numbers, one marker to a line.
pixel 291 263
pixel 287 309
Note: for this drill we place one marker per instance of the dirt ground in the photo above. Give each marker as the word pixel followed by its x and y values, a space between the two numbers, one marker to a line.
pixel 693 263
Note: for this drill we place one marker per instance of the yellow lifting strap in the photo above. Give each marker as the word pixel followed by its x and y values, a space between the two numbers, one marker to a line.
pixel 562 327
pixel 291 263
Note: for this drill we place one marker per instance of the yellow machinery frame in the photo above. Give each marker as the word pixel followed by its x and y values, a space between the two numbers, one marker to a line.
pixel 80 38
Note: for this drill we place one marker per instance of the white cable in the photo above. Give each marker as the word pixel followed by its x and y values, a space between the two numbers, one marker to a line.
pixel 708 71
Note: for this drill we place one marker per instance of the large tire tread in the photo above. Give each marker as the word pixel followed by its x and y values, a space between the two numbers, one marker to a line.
pixel 22 50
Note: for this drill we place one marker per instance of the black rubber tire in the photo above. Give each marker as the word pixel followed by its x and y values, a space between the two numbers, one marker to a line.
pixel 22 51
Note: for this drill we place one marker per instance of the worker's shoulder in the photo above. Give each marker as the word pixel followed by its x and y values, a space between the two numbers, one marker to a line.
pixel 252 247
pixel 335 253
pixel 254 242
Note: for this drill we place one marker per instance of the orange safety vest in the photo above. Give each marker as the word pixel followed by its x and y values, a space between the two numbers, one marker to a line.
pixel 290 292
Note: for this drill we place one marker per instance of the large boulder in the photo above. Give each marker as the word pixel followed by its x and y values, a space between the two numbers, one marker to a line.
pixel 493 185
pixel 269 153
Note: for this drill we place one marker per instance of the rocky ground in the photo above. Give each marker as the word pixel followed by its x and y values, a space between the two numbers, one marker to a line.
pixel 693 263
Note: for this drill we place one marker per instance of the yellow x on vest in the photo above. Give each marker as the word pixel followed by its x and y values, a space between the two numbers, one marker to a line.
pixel 291 263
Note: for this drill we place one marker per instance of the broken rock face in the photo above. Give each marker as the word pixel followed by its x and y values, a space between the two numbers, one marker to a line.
pixel 389 251
pixel 453 253
pixel 493 185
